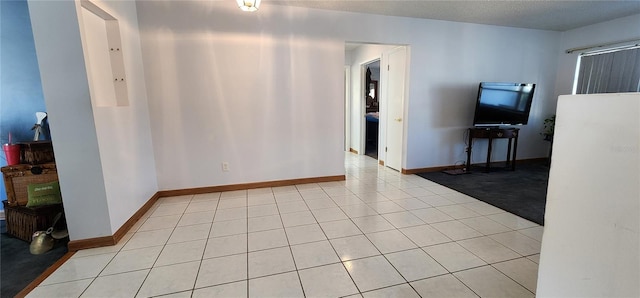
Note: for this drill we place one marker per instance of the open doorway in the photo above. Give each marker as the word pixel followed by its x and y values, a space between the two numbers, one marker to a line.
pixel 382 68
pixel 371 101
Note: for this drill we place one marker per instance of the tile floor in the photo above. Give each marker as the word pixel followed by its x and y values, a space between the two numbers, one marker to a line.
pixel 377 234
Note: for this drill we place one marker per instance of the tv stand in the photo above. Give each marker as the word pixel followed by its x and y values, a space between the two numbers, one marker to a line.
pixel 492 133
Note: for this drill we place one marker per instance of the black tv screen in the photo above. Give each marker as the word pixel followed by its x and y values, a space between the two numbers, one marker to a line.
pixel 503 104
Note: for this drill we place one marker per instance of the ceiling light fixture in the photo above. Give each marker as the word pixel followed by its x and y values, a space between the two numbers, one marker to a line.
pixel 248 5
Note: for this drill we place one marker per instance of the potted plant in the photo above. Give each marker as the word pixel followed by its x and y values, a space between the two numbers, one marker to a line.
pixel 549 126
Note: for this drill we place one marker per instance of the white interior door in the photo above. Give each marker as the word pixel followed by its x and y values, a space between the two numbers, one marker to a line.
pixel 397 59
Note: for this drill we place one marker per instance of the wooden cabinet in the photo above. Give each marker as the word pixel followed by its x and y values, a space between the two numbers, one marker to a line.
pixel 491 134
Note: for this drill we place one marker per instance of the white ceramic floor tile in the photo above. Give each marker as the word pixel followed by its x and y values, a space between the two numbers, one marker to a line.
pixel 169 279
pixel 417 191
pixel 201 206
pixel 67 289
pixel 261 200
pixel 523 271
pixel 118 285
pixel 488 249
pixel 280 285
pixel 183 294
pixel 148 239
pixel 453 256
pixel 307 186
pixel 459 198
pixel 190 233
pixel 159 223
pixel 314 254
pixel 267 239
pixel 289 197
pixel 535 233
pixel 385 207
pixel 390 241
pixel 347 200
pixel 232 203
pixel 340 228
pixel 425 235
pixel 442 286
pixel 395 194
pixel 206 197
pixel 270 261
pixel 411 204
pixel 415 264
pixel 458 211
pixel 294 206
pixel 225 246
pixel 327 281
pixel 512 221
pixel 298 218
pixel 229 227
pixel 488 282
pixel 518 242
pixel 233 194
pixel 181 252
pixel 195 218
pixel 264 223
pixel 373 273
pixel 329 214
pixel 222 270
pixel 320 203
pixel 482 208
pixel 175 200
pixel 230 214
pixel 371 224
pixel 485 225
pixel 456 230
pixel 358 210
pixel 354 247
pixel 236 289
pixel 431 215
pixel 272 242
pixel 170 209
pixel 284 189
pixel 534 258
pixel 403 219
pixel 262 210
pixel 403 290
pixel 304 234
pixel 337 191
pixel 79 268
pixel 131 260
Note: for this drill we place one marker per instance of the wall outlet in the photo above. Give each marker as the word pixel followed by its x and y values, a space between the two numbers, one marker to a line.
pixel 225 166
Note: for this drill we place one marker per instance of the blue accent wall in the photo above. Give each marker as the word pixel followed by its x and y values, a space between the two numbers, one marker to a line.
pixel 20 87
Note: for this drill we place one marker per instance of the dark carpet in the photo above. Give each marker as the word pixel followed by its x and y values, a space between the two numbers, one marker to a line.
pixel 522 192
pixel 19 266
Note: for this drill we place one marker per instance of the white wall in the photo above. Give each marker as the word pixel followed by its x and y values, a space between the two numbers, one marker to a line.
pixel 73 132
pixel 194 53
pixel 606 32
pixel 123 134
pixel 104 154
pixel 269 102
pixel 591 243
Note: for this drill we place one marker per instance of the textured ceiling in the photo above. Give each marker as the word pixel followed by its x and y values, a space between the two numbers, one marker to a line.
pixel 534 14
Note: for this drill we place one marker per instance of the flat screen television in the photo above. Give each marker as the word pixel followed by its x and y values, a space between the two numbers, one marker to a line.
pixel 503 104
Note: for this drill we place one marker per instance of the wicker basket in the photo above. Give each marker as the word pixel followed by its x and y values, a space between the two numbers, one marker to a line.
pixel 23 221
pixel 37 152
pixel 18 177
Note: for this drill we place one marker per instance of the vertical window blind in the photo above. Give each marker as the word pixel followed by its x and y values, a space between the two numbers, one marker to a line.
pixel 609 72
